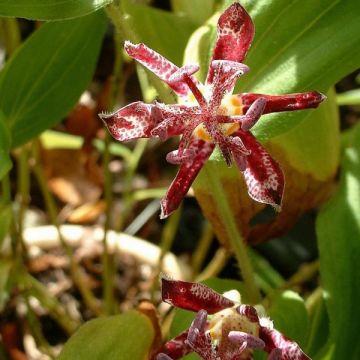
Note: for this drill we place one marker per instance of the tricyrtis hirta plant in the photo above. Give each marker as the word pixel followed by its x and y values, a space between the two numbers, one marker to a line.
pixel 223 327
pixel 208 115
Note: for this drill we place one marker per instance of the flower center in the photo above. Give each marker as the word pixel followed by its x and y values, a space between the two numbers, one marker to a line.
pixel 230 105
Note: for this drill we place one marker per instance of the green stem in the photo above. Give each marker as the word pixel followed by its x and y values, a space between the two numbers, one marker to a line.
pixel 23 194
pixel 233 235
pixel 6 189
pixel 107 259
pixel 305 273
pixel 132 165
pixel 36 330
pixel 167 239
pixel 76 272
pixel 217 263
pixel 117 88
pixel 11 34
pixel 36 289
pixel 202 249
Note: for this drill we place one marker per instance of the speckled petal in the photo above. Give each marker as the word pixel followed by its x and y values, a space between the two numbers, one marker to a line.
pixel 174 119
pixel 192 296
pixel 274 339
pixel 279 103
pixel 225 75
pixel 263 175
pixel 198 339
pixel 185 176
pixel 235 33
pixel 158 64
pixel 176 348
pixel 240 337
pixel 133 121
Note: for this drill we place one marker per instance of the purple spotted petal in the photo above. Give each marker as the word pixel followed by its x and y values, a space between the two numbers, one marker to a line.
pixel 198 339
pixel 174 119
pixel 240 337
pixel 133 121
pixel 158 64
pixel 235 33
pixel 279 103
pixel 263 175
pixel 192 296
pixel 274 339
pixel 225 75
pixel 185 176
pixel 177 348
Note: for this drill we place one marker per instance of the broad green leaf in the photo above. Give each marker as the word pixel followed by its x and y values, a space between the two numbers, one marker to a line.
pixel 318 333
pixel 338 230
pixel 50 9
pixel 288 312
pixel 313 146
pixel 121 337
pixel 5 162
pixel 46 76
pixel 293 53
pixel 163 31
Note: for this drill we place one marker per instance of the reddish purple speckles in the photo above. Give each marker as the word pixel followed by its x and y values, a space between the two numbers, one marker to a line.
pixel 288 102
pixel 185 176
pixel 231 333
pixel 286 349
pixel 192 296
pixel 130 122
pixel 263 175
pixel 156 63
pixel 235 34
pixel 211 116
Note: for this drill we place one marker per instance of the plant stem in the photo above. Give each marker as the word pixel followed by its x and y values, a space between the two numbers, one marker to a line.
pixel 23 195
pixel 36 331
pixel 76 272
pixel 202 248
pixel 11 35
pixel 108 274
pixel 305 273
pixel 233 235
pixel 34 288
pixel 167 239
pixel 216 264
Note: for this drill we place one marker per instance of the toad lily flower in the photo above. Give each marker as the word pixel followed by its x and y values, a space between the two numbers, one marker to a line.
pixel 208 115
pixel 223 327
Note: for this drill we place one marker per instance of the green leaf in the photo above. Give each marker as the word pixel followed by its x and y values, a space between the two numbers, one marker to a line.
pixel 121 337
pixel 313 146
pixel 318 333
pixel 287 310
pixel 5 162
pixel 292 53
pixel 50 9
pixel 338 230
pixel 299 53
pixel 46 76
